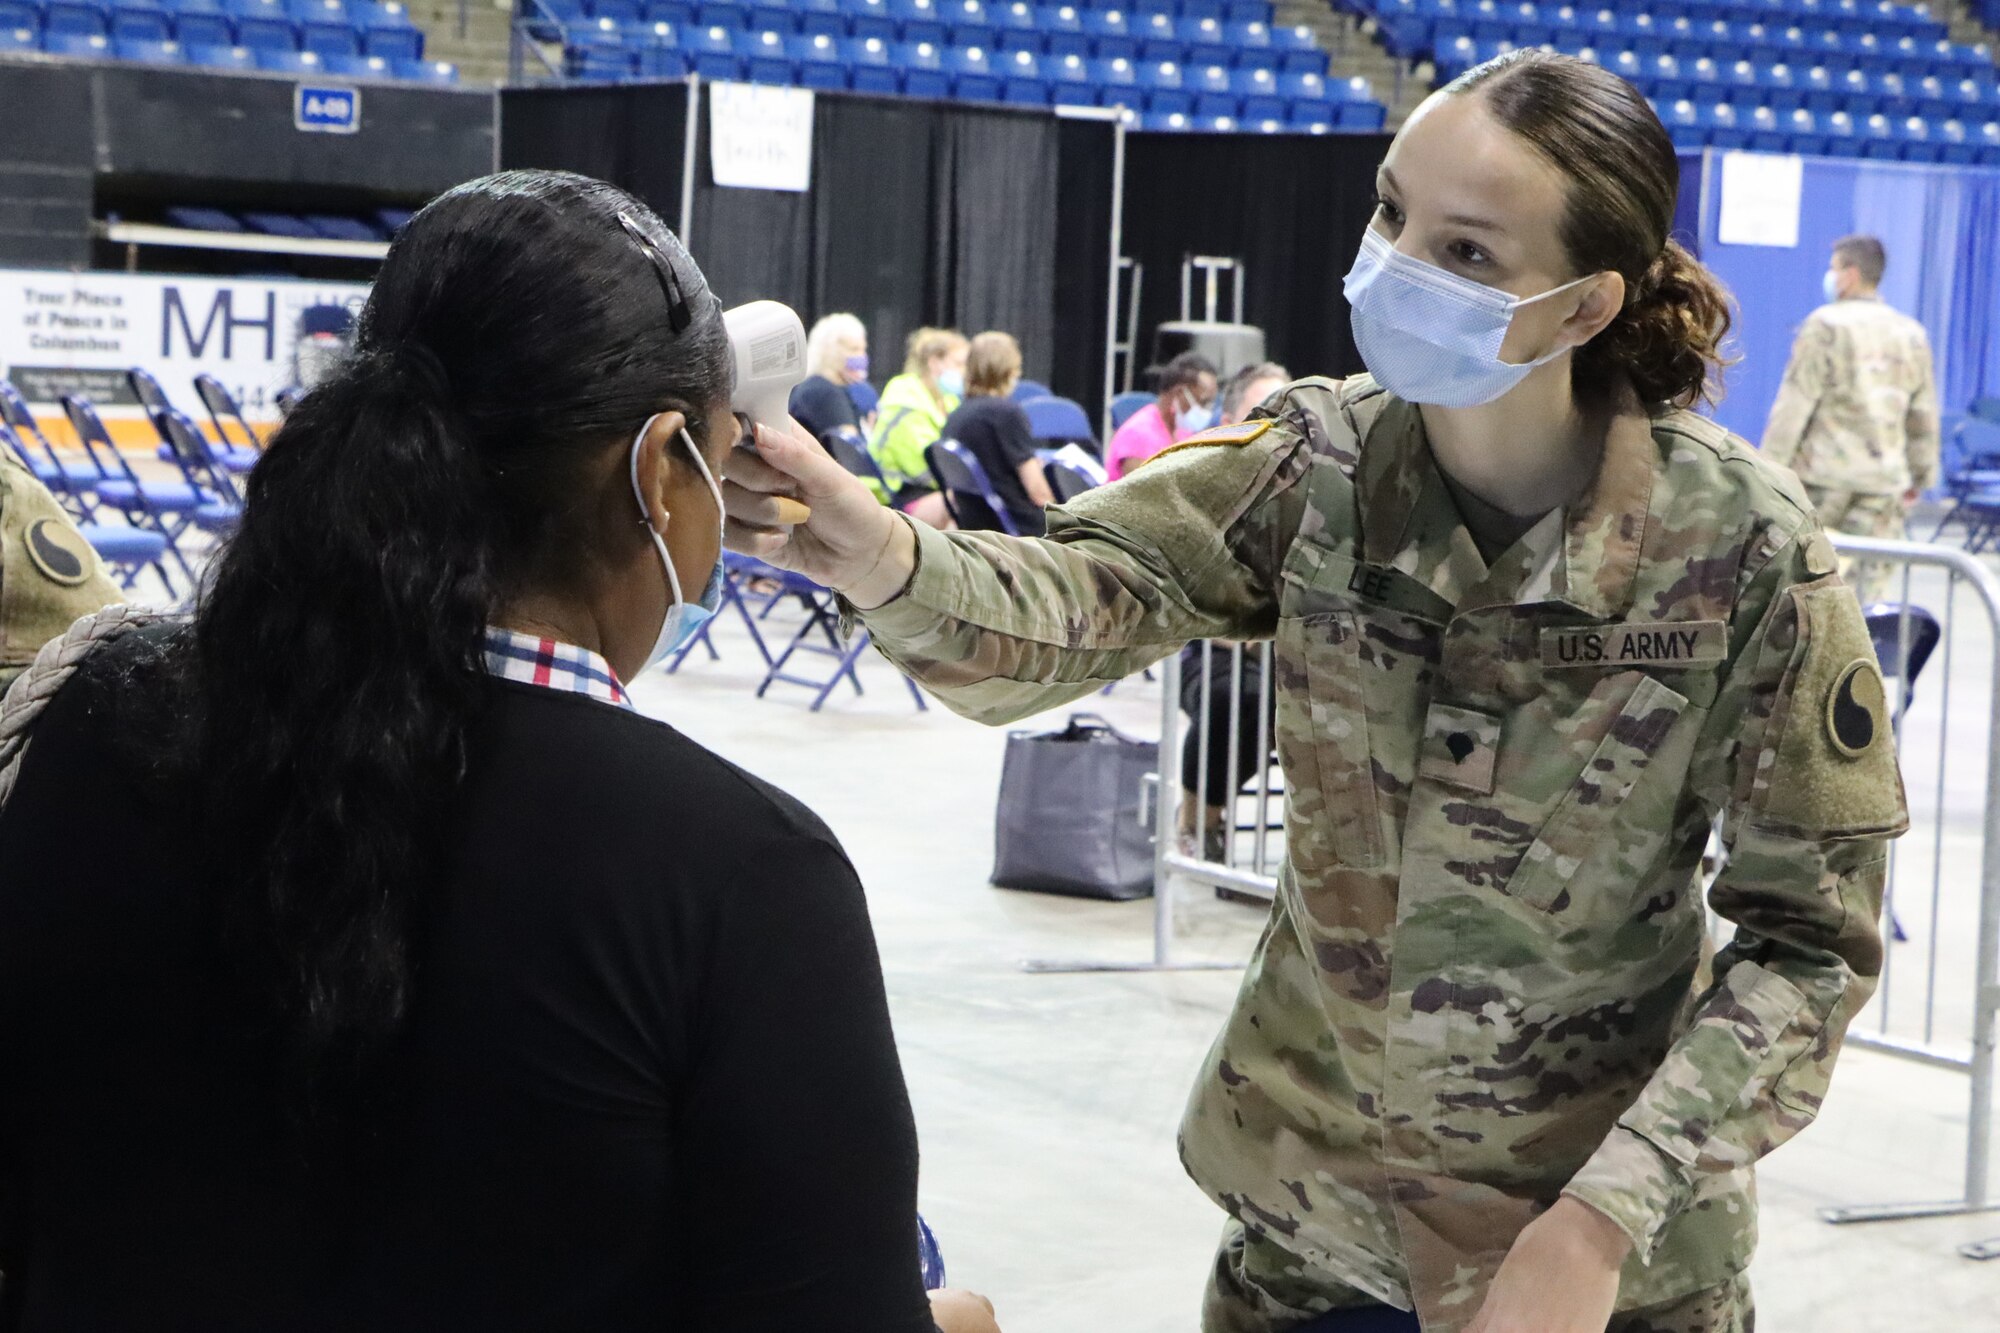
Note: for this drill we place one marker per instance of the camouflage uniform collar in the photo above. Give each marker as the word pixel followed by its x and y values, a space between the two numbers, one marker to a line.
pixel 1588 557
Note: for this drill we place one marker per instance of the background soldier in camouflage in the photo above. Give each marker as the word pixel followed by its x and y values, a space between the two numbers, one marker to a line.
pixel 1471 1070
pixel 49 576
pixel 1857 414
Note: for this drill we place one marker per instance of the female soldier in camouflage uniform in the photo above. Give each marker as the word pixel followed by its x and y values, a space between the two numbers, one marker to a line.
pixel 1537 625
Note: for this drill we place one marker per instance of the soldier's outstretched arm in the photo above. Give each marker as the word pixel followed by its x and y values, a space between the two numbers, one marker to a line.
pixel 1806 770
pixel 1000 627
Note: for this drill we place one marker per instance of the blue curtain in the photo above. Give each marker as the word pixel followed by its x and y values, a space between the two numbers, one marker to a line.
pixel 1941 228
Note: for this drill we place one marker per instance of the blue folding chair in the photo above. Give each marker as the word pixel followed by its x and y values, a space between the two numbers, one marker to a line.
pixel 1027 389
pixel 1070 472
pixel 871 66
pixel 223 409
pixel 822 621
pixel 847 448
pixel 154 399
pixel 168 508
pixel 1125 404
pixel 968 493
pixel 1053 420
pixel 204 471
pixel 73 481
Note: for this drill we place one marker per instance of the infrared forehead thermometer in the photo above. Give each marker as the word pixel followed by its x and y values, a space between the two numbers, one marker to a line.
pixel 769 345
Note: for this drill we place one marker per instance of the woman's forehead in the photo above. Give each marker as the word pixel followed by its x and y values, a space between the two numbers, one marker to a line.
pixel 1454 160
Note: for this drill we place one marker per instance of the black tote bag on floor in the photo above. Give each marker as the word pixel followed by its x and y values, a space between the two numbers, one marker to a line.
pixel 1068 818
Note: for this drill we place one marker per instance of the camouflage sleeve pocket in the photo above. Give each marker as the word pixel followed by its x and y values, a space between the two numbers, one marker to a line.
pixel 1577 827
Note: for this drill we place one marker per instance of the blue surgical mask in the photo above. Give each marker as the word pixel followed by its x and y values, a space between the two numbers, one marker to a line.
pixel 1194 418
pixel 951 383
pixel 1430 336
pixel 684 618
pixel 1829 283
pixel 857 366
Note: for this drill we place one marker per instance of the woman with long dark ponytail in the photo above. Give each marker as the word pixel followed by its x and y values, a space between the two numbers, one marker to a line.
pixel 365 961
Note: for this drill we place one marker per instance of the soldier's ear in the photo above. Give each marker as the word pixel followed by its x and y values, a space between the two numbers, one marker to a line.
pixel 1602 300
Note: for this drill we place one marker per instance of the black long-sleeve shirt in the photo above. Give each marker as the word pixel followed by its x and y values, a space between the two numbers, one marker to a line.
pixel 651 1081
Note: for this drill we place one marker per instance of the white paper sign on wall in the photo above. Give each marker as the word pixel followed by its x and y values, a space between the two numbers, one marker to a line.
pixel 1760 199
pixel 760 138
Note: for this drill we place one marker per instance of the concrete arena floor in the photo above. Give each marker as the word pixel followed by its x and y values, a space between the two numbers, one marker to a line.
pixel 1047 1104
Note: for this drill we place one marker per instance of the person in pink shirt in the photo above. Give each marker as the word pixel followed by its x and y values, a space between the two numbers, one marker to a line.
pixel 1186 406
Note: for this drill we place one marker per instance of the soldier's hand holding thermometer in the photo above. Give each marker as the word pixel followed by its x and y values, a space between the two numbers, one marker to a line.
pixel 788 502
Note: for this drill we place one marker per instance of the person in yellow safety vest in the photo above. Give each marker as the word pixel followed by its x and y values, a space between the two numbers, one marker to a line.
pixel 910 418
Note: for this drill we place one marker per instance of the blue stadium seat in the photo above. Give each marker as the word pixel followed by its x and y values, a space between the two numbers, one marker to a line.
pixel 1683 125
pixel 663 60
pixel 148 52
pixel 1803 135
pixel 1297 50
pixel 1878 137
pixel 72 18
pixel 1251 42
pixel 1892 96
pixel 440 72
pixel 20 39
pixel 1157 38
pixel 919 20
pixel 711 51
pixel 767 59
pixel 1015 16
pixel 1767 134
pixel 1172 121
pixel 970 23
pixel 923 69
pixel 1021 81
pixel 386 31
pixel 1110 33
pixel 1070 83
pixel 780 19
pixel 973 76
pixel 1257 89
pixel 139 21
pixel 1919 142
pixel 1841 139
pixel 86 45
pixel 358 67
pixel 1987 136
pixel 221 57
pixel 871 18
pixel 1203 9
pixel 591 63
pixel 871 66
pixel 1214 124
pixel 1302 89
pixel 1353 117
pixel 1164 84
pixel 276 61
pixel 1720 120
pixel 329 36
pixel 821 18
pixel 817 57
pixel 263 34
pixel 1117 81
pixel 1205 41
pixel 1058 30
pixel 195 26
pixel 732 14
pixel 1955 145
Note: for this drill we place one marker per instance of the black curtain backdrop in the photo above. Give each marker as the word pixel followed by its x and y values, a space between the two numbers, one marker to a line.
pixel 919 213
pixel 630 135
pixel 1293 211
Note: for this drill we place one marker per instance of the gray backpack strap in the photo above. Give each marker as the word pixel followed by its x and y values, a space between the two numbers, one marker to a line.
pixel 52 667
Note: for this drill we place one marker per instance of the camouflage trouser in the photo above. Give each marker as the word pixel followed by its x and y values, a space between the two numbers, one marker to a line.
pixel 1258 1287
pixel 1861 514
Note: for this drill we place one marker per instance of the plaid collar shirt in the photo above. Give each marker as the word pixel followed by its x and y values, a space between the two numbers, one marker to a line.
pixel 552 665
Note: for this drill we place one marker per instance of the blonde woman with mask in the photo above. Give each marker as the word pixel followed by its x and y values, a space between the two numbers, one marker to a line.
pixel 911 417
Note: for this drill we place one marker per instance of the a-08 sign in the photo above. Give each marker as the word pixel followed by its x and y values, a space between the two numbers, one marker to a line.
pixel 326 110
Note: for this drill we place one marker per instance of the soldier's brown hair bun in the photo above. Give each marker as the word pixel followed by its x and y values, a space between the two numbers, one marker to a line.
pixel 1624 182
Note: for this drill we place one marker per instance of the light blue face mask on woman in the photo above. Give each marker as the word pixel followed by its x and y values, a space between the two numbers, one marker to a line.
pixel 1430 336
pixel 684 618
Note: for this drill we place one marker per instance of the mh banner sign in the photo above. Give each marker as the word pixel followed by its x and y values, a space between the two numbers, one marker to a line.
pixel 80 332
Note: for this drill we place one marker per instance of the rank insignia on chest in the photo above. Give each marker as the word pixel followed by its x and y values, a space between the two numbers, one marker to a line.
pixel 1673 644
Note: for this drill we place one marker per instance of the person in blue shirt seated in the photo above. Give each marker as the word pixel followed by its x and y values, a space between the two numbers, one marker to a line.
pixel 837 356
pixel 996 430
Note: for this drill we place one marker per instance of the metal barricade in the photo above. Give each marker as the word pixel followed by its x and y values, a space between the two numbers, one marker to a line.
pixel 1939 995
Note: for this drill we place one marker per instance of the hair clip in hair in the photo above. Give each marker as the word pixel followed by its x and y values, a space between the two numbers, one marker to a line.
pixel 678 315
